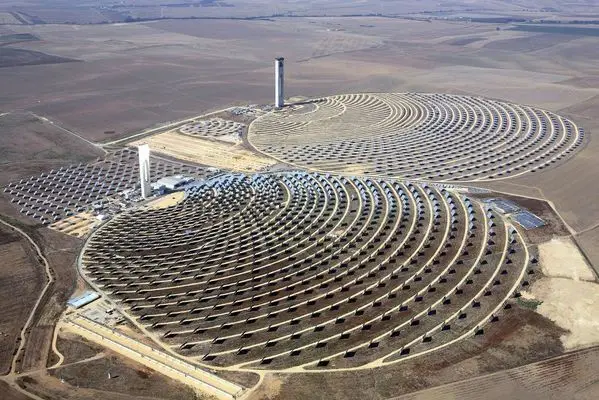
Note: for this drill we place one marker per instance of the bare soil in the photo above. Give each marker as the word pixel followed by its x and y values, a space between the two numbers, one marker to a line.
pixel 125 377
pixel 21 279
pixel 61 252
pixel 588 243
pixel 10 57
pixel 75 348
pixel 207 152
pixel 172 69
pixel 9 393
pixel 29 146
pixel 245 379
pixel 86 380
pixel 571 376
pixel 561 258
pixel 563 303
pixel 522 337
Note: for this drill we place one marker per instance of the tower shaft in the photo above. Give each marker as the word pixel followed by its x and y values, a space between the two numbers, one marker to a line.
pixel 279 82
pixel 144 170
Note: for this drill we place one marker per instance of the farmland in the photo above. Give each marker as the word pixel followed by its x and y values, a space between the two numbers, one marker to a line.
pixel 22 279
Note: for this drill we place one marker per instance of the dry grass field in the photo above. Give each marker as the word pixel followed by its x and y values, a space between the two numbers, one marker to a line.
pixel 206 152
pixel 165 201
pixel 561 258
pixel 78 225
pixel 566 276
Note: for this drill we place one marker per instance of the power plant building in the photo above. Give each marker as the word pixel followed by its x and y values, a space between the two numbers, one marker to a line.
pixel 172 183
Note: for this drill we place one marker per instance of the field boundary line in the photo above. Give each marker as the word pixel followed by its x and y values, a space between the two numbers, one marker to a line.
pixel 70 132
pixel 160 129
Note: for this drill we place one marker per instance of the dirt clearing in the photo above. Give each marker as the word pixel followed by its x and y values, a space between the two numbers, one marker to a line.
pixel 571 305
pixel 561 258
pixel 77 225
pixel 166 201
pixel 206 152
pixel 568 294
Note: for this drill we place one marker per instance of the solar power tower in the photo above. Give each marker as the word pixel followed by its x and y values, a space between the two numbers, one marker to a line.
pixel 144 170
pixel 279 82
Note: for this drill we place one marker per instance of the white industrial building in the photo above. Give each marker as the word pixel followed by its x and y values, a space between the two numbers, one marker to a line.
pixel 171 183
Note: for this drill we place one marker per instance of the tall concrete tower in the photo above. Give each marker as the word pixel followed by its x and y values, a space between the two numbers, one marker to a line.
pixel 144 170
pixel 279 82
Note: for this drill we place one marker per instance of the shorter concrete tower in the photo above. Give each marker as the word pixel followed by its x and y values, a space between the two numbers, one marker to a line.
pixel 279 82
pixel 144 170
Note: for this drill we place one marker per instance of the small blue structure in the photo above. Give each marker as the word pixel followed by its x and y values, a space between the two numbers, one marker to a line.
pixel 86 298
pixel 528 220
pixel 504 206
